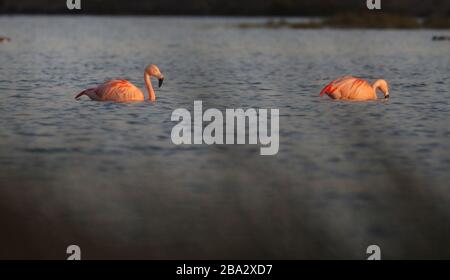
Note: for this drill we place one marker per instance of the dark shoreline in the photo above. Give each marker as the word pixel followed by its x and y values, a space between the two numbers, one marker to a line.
pixel 307 8
pixel 338 21
pixel 351 21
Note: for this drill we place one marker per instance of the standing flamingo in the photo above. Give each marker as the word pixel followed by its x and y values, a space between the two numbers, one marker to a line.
pixel 355 89
pixel 122 90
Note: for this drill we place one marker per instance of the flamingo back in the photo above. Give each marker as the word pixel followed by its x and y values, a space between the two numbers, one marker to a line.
pixel 348 87
pixel 119 90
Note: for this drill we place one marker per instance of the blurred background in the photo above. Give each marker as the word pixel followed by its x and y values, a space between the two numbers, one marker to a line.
pixel 230 7
pixel 107 177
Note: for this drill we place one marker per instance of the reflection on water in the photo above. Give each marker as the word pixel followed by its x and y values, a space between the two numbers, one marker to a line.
pixel 107 177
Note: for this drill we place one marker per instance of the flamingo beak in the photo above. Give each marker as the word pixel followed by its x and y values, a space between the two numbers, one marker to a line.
pixel 387 95
pixel 160 82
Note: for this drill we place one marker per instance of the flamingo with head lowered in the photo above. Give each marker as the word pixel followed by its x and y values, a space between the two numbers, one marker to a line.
pixel 124 91
pixel 351 88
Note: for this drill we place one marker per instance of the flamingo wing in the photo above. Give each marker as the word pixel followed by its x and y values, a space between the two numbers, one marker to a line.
pixel 335 85
pixel 119 90
pixel 344 83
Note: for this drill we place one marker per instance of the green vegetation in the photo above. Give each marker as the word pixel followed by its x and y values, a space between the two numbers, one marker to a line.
pixel 437 23
pixel 365 20
pixel 282 23
pixel 372 20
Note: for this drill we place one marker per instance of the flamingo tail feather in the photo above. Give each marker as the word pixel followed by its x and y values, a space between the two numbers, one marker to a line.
pixel 328 89
pixel 82 93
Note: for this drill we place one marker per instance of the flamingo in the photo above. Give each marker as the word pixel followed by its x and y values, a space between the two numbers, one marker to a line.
pixel 124 91
pixel 352 88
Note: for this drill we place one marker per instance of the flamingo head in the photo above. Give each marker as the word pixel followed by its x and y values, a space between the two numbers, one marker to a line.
pixel 153 70
pixel 383 86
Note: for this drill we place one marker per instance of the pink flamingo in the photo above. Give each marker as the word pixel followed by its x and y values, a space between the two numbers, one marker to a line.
pixel 352 88
pixel 124 91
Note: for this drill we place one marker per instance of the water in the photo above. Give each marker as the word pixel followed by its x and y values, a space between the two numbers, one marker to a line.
pixel 107 177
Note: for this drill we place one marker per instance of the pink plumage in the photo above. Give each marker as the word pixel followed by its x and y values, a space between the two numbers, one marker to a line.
pixel 122 90
pixel 354 89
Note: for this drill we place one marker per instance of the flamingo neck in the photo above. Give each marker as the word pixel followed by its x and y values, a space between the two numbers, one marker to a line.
pixel 375 86
pixel 151 92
